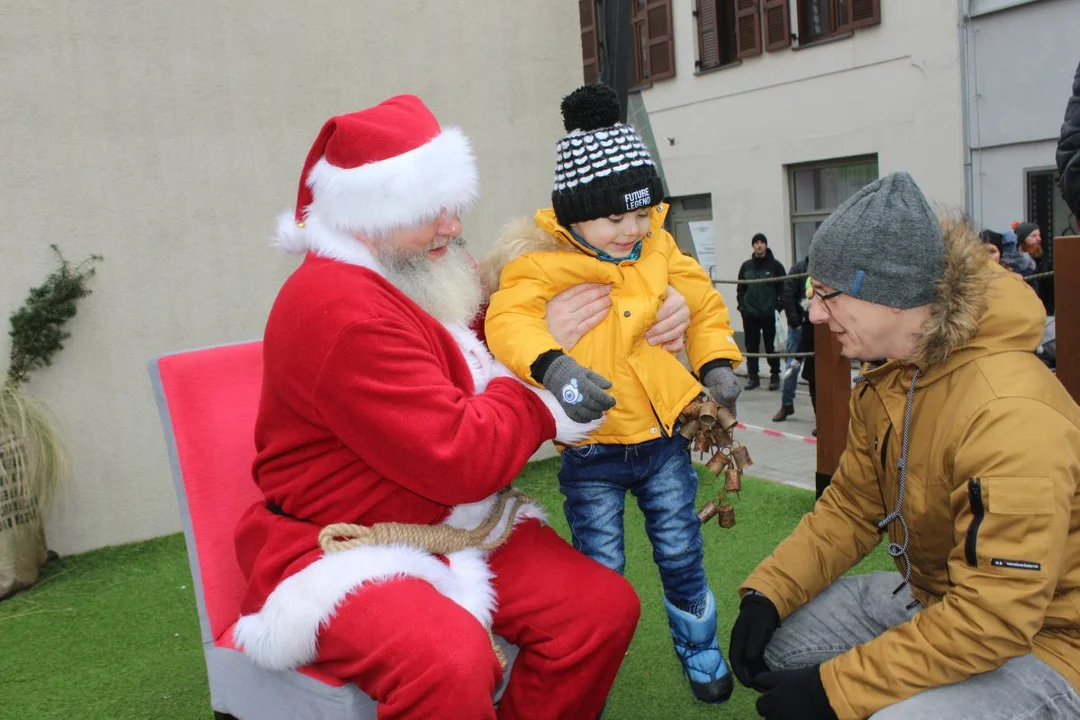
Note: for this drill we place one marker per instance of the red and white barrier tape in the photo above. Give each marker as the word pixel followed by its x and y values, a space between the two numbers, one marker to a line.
pixel 776 433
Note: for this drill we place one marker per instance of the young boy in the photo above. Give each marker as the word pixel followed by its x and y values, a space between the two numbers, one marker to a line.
pixel 607 226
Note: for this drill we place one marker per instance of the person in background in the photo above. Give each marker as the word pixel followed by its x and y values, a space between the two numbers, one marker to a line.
pixel 792 299
pixel 992 244
pixel 806 345
pixel 1028 251
pixel 758 303
pixel 1068 149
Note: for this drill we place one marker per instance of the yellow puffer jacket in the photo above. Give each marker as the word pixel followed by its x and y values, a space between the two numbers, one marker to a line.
pixel 533 262
pixel 991 499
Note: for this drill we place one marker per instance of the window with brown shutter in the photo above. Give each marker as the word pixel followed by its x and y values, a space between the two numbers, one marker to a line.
pixel 865 13
pixel 708 43
pixel 590 40
pixel 777 24
pixel 748 27
pixel 821 19
pixel 717 40
pixel 654 49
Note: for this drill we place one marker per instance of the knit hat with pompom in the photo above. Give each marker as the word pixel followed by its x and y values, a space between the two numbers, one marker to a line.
pixel 602 167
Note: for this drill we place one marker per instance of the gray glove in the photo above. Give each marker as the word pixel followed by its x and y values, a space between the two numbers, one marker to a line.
pixel 723 385
pixel 579 390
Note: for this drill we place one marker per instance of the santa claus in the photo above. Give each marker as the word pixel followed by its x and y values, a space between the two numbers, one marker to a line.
pixel 381 406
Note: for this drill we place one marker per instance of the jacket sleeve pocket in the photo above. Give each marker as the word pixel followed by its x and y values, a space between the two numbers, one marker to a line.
pixel 1010 524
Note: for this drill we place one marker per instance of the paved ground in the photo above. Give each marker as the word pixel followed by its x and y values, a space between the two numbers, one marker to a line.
pixel 789 458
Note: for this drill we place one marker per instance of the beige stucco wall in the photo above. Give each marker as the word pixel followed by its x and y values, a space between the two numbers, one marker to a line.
pixel 893 90
pixel 168 136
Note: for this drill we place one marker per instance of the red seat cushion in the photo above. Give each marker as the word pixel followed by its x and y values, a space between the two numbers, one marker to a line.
pixel 212 396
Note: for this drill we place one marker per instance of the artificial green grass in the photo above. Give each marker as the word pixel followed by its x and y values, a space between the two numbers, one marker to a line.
pixel 650 683
pixel 114 633
pixel 110 634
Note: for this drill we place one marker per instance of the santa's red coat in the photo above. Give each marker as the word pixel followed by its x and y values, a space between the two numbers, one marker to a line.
pixel 370 412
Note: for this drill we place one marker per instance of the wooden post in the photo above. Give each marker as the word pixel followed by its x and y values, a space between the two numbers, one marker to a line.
pixel 833 374
pixel 1067 311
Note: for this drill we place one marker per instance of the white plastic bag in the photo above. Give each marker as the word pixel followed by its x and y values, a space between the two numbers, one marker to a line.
pixel 781 332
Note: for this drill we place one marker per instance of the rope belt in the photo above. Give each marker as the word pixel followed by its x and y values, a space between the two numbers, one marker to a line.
pixel 436 539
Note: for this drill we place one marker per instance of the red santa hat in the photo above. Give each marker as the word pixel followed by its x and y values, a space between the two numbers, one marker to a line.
pixel 375 170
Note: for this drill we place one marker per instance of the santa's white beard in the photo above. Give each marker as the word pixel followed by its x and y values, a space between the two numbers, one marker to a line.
pixel 448 287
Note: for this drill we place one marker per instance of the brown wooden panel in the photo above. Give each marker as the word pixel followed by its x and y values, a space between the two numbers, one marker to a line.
pixel 661 47
pixel 1067 311
pixel 748 27
pixel 865 13
pixel 777 24
pixel 708 42
pixel 590 47
pixel 833 375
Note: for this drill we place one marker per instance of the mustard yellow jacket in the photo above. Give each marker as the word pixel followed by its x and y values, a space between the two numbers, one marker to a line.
pixel 991 499
pixel 533 262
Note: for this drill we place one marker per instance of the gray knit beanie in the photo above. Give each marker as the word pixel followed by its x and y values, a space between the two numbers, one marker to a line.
pixel 1022 230
pixel 883 245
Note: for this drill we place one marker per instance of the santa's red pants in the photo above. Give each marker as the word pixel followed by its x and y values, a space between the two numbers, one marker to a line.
pixel 420 655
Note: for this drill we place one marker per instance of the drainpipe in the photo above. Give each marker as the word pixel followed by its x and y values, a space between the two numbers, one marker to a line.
pixel 617 51
pixel 965 106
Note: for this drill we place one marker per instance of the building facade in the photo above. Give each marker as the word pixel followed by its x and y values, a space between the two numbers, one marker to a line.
pixel 767 114
pixel 1020 59
pixel 173 136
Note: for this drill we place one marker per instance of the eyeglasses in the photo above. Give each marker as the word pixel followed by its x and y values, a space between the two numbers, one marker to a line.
pixel 826 297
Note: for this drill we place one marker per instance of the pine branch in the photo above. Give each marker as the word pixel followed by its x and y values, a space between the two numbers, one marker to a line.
pixel 37 327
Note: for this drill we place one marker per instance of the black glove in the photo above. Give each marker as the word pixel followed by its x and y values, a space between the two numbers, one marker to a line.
pixel 757 621
pixel 794 695
pixel 579 390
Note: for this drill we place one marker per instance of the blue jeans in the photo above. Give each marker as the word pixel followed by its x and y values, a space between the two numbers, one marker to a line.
pixel 856 609
pixel 787 395
pixel 594 480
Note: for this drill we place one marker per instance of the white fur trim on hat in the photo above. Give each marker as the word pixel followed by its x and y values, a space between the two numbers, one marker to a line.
pixel 402 191
pixel 327 242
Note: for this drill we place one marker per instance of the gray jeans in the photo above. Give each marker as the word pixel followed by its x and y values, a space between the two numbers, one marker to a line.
pixel 855 610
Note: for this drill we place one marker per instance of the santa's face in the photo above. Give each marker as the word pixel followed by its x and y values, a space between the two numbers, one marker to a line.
pixel 430 265
pixel 429 240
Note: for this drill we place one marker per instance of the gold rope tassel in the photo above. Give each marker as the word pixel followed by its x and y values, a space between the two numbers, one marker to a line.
pixel 436 539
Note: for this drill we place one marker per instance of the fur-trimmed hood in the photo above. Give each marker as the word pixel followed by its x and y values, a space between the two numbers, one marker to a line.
pixel 981 309
pixel 542 233
pixel 520 237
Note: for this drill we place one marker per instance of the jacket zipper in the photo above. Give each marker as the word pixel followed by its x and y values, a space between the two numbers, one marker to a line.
pixel 975 498
pixel 884 451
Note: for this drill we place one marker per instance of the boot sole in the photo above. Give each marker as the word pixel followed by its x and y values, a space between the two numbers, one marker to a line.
pixel 715 692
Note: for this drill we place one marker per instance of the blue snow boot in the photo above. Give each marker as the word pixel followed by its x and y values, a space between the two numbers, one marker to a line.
pixel 699 652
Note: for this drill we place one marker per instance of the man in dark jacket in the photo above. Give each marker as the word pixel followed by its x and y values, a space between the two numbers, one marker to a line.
pixel 791 298
pixel 758 303
pixel 1068 150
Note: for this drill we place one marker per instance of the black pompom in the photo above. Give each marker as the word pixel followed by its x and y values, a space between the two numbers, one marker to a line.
pixel 590 107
